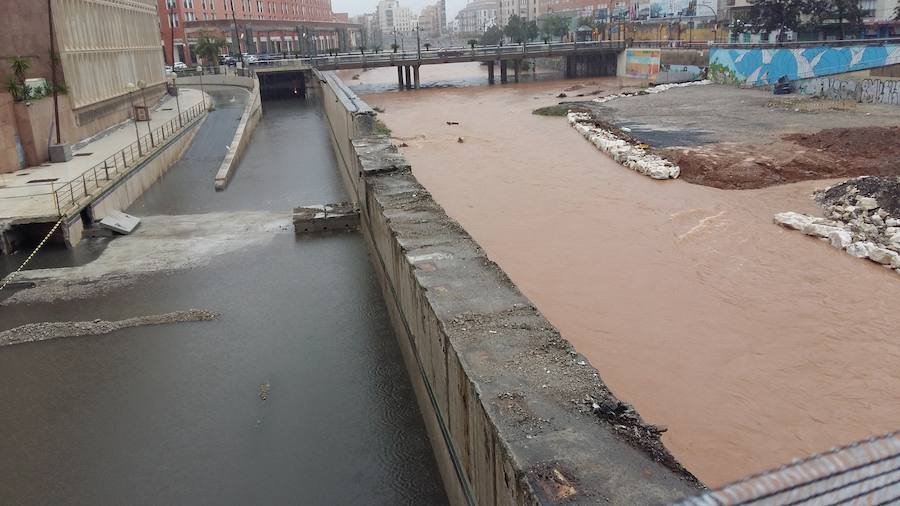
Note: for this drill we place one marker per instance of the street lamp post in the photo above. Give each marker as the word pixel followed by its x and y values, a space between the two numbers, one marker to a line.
pixel 130 87
pixel 177 102
pixel 143 85
pixel 418 43
pixel 202 91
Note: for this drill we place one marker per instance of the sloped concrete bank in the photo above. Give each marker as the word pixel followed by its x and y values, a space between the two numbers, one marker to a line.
pixel 249 120
pixel 515 415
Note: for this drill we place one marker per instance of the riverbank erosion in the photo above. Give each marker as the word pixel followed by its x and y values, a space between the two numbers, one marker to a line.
pixel 732 138
pixel 514 413
pixel 740 336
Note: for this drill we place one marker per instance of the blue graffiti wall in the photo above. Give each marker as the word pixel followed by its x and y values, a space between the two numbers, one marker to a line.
pixel 759 67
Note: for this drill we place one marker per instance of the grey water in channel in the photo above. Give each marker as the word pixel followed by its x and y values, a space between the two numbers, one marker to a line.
pixel 172 414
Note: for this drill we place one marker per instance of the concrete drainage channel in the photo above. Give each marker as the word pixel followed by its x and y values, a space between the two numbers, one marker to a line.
pixel 515 415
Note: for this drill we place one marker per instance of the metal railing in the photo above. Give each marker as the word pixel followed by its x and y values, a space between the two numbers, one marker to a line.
pixel 69 194
pixel 443 54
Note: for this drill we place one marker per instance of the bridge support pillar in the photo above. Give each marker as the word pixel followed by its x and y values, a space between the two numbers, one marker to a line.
pixel 400 77
pixel 570 67
pixel 503 74
pixel 408 77
pixel 517 66
pixel 416 76
pixel 490 66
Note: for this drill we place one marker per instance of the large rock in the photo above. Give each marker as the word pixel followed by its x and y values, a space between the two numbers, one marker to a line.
pixel 882 255
pixel 861 249
pixel 816 230
pixel 867 203
pixel 793 220
pixel 840 239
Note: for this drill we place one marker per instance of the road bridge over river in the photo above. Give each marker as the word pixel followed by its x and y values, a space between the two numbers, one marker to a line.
pixel 592 58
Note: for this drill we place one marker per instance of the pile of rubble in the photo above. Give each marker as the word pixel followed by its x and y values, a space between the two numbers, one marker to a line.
pixel 633 156
pixel 650 91
pixel 861 219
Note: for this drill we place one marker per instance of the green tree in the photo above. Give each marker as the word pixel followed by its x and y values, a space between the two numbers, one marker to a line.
pixel 492 36
pixel 515 29
pixel 395 47
pixel 362 50
pixel 531 30
pixel 776 15
pixel 208 46
pixel 427 46
pixel 846 13
pixel 472 43
pixel 554 26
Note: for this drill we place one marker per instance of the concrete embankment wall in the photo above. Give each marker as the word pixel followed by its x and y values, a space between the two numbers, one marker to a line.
pixel 865 90
pixel 764 66
pixel 128 187
pixel 514 414
pixel 249 119
pixel 661 66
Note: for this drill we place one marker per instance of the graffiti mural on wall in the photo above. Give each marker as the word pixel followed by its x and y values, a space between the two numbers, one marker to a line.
pixel 759 67
pixel 867 91
pixel 642 63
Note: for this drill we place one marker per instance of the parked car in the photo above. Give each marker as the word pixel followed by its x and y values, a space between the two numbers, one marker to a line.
pixel 250 59
pixel 168 69
pixel 179 66
pixel 227 60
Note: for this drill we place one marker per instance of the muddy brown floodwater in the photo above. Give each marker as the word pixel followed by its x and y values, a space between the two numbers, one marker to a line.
pixel 753 344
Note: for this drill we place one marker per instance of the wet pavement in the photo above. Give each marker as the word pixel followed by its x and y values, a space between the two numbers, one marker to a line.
pixel 173 414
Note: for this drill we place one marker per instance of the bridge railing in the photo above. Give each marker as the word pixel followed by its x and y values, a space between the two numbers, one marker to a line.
pixel 409 57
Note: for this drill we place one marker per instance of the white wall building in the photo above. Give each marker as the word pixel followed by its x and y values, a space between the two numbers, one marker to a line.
pixel 478 16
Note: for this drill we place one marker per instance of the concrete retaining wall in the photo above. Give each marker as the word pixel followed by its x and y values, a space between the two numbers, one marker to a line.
pixel 130 186
pixel 764 66
pixel 864 90
pixel 514 414
pixel 249 120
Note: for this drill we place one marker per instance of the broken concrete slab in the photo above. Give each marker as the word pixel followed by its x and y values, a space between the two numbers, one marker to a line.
pixel 120 222
pixel 320 218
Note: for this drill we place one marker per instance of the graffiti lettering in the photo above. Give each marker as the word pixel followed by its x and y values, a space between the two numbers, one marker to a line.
pixel 866 91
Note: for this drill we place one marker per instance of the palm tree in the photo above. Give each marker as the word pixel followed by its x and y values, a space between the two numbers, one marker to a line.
pixel 427 46
pixel 208 46
pixel 395 47
pixel 15 85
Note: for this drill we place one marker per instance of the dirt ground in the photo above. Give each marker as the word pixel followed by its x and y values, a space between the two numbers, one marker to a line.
pixel 733 138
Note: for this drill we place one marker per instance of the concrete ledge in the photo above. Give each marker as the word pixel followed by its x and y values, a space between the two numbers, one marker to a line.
pixel 515 415
pixel 249 120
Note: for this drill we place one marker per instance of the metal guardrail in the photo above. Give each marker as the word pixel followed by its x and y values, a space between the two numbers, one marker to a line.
pixel 69 194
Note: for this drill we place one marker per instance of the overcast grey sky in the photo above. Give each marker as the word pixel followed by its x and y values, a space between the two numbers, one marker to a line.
pixel 355 7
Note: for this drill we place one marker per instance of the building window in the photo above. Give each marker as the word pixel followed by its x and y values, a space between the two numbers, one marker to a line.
pixel 188 4
pixel 173 20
